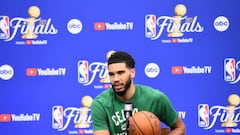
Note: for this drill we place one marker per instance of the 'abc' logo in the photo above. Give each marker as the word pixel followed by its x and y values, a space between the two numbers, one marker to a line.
pixel 221 23
pixel 6 72
pixel 74 26
pixel 152 70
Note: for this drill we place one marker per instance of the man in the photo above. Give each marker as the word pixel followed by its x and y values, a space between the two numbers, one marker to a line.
pixel 107 108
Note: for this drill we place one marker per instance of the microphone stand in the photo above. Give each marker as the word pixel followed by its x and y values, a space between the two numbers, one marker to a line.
pixel 128 108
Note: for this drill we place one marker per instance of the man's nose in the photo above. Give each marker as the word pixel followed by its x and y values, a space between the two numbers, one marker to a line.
pixel 115 78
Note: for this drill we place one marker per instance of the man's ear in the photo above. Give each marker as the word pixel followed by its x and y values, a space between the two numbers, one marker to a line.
pixel 133 71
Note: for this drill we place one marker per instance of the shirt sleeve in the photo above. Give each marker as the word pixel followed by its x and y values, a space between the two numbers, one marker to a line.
pixel 99 116
pixel 167 113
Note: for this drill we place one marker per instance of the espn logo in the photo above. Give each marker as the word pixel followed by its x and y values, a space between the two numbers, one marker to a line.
pixel 5 117
pixel 99 26
pixel 177 69
pixel 31 72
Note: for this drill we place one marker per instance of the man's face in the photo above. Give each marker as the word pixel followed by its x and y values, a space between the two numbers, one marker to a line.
pixel 120 77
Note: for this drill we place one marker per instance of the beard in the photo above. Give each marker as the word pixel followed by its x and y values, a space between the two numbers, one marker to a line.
pixel 126 88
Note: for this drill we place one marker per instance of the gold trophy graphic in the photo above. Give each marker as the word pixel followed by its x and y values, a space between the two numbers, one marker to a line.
pixel 106 78
pixel 33 13
pixel 180 10
pixel 86 103
pixel 233 100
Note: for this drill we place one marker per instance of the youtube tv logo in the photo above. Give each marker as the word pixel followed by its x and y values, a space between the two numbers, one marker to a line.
pixel 177 69
pixel 28 42
pixel 5 117
pixel 174 40
pixel 31 72
pixel 99 26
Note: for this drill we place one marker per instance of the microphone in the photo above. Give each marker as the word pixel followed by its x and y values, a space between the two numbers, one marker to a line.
pixel 128 109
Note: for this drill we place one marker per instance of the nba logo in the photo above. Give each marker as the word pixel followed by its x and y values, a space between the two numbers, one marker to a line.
pixel 83 74
pixel 229 69
pixel 4 27
pixel 203 115
pixel 57 117
pixel 150 26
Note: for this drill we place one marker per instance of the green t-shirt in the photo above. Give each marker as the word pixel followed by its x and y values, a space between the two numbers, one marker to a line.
pixel 108 114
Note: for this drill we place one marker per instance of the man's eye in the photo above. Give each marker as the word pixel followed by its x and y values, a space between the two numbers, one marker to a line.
pixel 120 72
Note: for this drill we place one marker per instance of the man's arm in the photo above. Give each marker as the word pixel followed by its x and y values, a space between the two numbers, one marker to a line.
pixel 101 132
pixel 178 128
pixel 99 119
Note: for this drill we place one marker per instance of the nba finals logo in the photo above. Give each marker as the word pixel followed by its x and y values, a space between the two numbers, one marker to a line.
pixel 203 115
pixel 57 117
pixel 231 70
pixel 83 75
pixel 80 117
pixel 29 27
pixel 150 26
pixel 87 72
pixel 34 13
pixel 4 27
pixel 175 26
pixel 227 115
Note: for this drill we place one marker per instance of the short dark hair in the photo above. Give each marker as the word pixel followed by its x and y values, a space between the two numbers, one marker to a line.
pixel 122 57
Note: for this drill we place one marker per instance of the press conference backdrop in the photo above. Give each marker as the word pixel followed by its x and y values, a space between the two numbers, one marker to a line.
pixel 53 61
